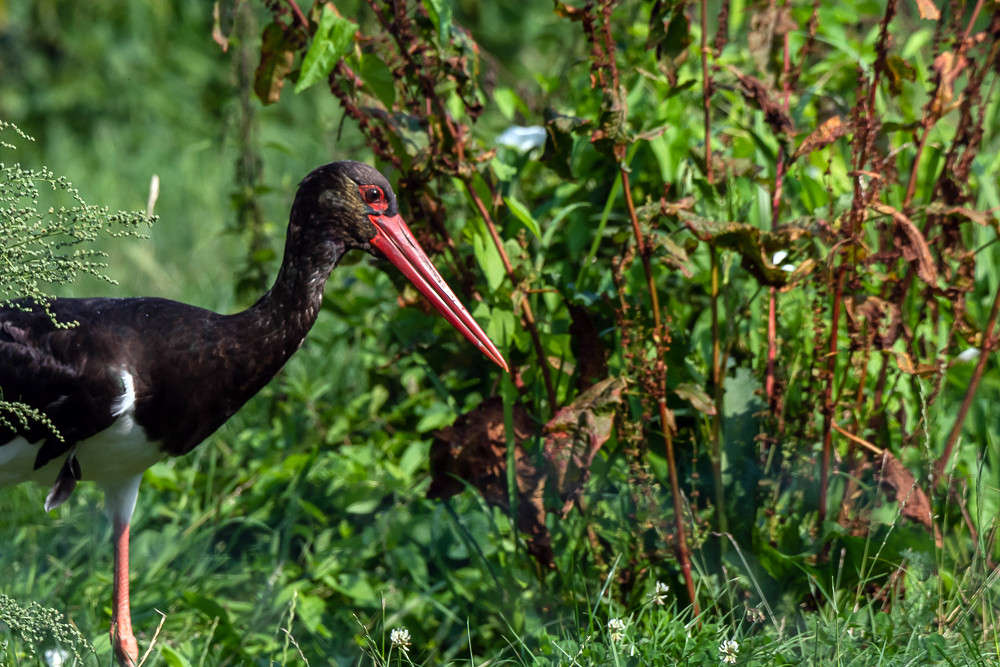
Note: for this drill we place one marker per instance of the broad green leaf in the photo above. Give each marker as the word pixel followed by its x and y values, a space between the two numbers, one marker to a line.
pixel 377 76
pixel 503 171
pixel 332 40
pixel 522 213
pixel 487 255
pixel 501 327
pixel 508 102
pixel 173 658
pixel 440 13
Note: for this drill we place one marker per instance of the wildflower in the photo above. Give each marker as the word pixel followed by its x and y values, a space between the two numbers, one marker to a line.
pixel 522 139
pixel 616 627
pixel 56 657
pixel 755 615
pixel 659 594
pixel 400 638
pixel 727 651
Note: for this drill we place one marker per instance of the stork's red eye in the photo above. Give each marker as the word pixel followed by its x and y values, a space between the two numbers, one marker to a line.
pixel 372 195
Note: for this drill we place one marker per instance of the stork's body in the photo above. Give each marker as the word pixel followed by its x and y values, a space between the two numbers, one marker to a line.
pixel 140 379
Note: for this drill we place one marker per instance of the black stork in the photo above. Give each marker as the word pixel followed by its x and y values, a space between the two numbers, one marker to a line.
pixel 139 379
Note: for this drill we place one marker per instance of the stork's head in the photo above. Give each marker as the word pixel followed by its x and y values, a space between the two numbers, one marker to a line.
pixel 351 205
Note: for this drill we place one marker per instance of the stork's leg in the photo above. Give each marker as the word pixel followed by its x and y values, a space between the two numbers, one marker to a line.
pixel 119 503
pixel 122 640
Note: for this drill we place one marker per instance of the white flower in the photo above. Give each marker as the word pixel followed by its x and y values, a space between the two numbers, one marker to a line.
pixel 779 257
pixel 616 627
pixel 400 638
pixel 57 657
pixel 522 139
pixel 968 355
pixel 727 651
pixel 659 594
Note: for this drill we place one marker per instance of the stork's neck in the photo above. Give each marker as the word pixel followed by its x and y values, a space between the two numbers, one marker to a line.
pixel 284 315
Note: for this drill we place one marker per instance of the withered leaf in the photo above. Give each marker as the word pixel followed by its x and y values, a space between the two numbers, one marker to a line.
pixel 474 449
pixel 912 243
pixel 829 131
pixel 948 67
pixel 699 399
pixel 575 434
pixel 900 485
pixel 675 256
pixel 752 245
pixel 218 36
pixel 928 10
pixel 899 70
pixel 276 55
pixel 906 365
pixel 755 90
pixel 984 218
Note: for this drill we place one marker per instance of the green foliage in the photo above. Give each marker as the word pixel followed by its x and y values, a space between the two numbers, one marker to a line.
pixel 38 246
pixel 308 513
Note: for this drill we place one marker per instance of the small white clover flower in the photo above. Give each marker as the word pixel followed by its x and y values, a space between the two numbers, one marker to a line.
pixel 727 651
pixel 659 595
pixel 400 638
pixel 616 627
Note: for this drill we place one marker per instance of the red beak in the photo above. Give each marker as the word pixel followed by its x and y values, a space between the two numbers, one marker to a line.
pixel 396 242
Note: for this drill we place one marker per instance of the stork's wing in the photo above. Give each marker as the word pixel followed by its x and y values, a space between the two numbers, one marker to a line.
pixel 61 374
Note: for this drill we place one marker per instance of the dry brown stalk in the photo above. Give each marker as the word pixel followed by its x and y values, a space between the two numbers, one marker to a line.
pixel 772 309
pixel 706 92
pixel 665 422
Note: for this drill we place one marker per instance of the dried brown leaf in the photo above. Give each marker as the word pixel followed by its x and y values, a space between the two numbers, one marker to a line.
pixel 276 55
pixel 474 449
pixel 948 67
pixel 928 10
pixel 899 484
pixel 829 131
pixel 755 90
pixel 912 243
pixel 906 365
pixel 576 433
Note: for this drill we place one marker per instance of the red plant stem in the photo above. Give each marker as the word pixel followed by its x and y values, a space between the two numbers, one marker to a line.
pixel 828 407
pixel 972 22
pixel 682 549
pixel 706 92
pixel 772 346
pixel 970 393
pixel 668 438
pixel 640 245
pixel 772 307
pixel 529 317
pixel 298 13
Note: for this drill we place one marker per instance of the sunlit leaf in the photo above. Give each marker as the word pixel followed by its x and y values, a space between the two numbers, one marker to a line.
pixel 333 39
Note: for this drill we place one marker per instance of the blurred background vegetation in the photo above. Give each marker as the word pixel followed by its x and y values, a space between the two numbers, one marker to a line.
pixel 302 531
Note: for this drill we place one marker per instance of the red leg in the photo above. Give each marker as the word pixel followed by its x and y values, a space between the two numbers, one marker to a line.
pixel 122 640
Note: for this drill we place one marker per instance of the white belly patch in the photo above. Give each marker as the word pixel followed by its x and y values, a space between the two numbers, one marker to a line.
pixel 117 453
